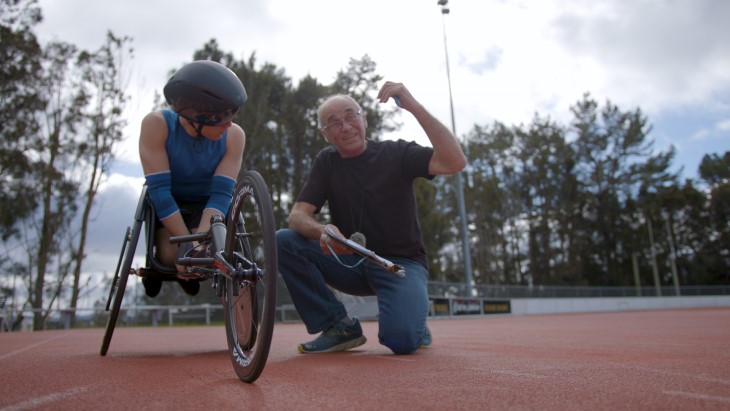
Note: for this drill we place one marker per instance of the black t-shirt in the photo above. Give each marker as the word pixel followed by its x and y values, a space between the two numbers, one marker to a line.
pixel 373 194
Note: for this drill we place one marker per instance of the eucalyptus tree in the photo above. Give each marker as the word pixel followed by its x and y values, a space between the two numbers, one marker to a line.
pixel 20 75
pixel 21 58
pixel 61 116
pixel 52 151
pixel 102 83
pixel 38 113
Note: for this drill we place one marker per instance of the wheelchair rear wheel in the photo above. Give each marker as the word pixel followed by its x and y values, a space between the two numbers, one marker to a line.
pixel 249 304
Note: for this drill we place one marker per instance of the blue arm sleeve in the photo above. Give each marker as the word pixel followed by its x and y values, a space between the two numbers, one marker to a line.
pixel 221 193
pixel 159 190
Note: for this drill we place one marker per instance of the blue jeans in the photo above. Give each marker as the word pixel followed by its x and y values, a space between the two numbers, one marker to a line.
pixel 402 302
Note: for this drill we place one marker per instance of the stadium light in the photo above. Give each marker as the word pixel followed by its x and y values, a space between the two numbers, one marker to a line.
pixel 458 178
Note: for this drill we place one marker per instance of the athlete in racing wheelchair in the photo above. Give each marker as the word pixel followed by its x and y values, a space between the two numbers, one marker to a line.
pixel 200 222
pixel 191 156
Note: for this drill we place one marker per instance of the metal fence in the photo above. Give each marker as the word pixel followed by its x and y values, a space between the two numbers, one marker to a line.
pixel 175 315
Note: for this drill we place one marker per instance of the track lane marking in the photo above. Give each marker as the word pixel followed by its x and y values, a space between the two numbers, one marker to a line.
pixel 46 399
pixel 700 377
pixel 11 353
pixel 698 396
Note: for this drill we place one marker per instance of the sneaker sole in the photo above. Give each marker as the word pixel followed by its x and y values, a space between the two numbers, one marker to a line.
pixel 335 348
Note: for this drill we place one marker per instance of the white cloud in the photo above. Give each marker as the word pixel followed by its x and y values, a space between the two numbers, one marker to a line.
pixel 718 131
pixel 723 125
pixel 509 59
pixel 659 55
pixel 700 135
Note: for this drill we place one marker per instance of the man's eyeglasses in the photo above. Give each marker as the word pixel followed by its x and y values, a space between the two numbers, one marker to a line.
pixel 351 118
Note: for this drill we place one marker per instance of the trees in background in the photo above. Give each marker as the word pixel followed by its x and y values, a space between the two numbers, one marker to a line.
pixel 102 88
pixel 64 112
pixel 586 203
pixel 20 71
pixel 579 204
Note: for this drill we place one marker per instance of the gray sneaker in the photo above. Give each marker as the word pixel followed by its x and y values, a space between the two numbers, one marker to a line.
pixel 341 337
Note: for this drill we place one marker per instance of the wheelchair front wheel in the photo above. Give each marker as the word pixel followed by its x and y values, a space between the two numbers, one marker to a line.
pixel 249 304
pixel 119 283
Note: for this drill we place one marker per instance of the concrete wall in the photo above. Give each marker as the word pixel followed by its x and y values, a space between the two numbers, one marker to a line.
pixel 571 305
pixel 366 308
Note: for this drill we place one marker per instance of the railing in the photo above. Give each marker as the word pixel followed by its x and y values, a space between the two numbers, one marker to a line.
pixel 173 315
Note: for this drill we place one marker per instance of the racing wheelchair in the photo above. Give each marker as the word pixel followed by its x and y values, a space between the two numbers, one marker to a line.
pixel 239 258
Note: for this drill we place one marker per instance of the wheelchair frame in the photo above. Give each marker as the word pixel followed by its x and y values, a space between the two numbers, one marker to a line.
pixel 242 265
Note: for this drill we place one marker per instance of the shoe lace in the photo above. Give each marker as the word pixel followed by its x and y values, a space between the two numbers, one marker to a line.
pixel 341 329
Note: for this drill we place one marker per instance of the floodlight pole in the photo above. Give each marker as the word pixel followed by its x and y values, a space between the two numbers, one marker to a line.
pixel 458 178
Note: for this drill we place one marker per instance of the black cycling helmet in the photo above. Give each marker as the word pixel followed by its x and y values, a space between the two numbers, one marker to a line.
pixel 205 92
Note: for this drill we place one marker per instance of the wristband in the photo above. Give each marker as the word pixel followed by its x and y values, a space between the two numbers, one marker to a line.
pixel 221 193
pixel 159 191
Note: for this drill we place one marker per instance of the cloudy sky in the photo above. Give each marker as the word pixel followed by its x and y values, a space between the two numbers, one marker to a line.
pixel 508 59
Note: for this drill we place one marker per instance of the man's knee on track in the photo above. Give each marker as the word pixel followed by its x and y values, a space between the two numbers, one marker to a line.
pixel 401 344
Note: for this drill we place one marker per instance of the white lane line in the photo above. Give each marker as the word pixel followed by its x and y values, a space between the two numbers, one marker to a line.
pixel 396 358
pixel 46 399
pixel 11 353
pixel 698 396
pixel 701 377
pixel 516 373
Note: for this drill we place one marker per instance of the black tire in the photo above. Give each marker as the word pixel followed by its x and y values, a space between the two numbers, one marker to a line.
pixel 250 305
pixel 119 284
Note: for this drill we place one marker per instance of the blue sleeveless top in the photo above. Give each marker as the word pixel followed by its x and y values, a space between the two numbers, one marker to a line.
pixel 192 161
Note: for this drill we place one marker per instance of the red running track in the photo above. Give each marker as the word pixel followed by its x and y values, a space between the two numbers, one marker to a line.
pixel 642 360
